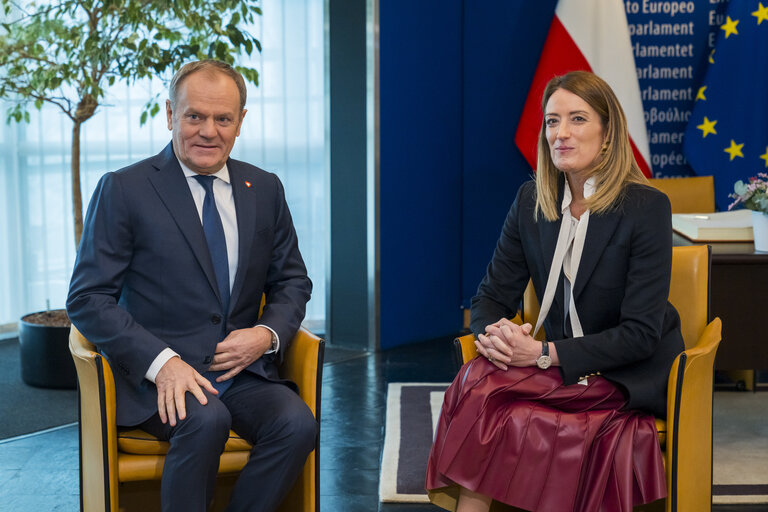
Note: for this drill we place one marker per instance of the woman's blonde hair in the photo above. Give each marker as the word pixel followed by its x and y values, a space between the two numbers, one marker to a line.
pixel 617 167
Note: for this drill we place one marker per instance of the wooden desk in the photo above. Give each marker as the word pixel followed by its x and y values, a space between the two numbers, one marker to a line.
pixel 739 296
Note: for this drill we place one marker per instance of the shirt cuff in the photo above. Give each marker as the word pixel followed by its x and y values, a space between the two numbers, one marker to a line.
pixel 275 339
pixel 158 363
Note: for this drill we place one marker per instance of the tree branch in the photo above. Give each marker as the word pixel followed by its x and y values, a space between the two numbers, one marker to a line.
pixel 25 55
pixel 44 11
pixel 63 103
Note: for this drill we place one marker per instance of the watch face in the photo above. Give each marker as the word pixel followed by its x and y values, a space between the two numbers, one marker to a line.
pixel 544 362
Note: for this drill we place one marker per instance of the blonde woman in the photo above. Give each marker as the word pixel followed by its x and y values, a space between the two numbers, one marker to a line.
pixel 568 424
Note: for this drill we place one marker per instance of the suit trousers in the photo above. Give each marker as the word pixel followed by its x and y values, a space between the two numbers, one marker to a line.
pixel 269 415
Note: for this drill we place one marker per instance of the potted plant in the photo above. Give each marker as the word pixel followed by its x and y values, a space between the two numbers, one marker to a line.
pixel 67 53
pixel 754 196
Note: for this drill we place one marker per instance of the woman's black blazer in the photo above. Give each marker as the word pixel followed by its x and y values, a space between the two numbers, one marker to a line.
pixel 632 333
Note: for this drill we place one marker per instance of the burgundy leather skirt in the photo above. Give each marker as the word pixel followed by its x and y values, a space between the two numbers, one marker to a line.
pixel 525 439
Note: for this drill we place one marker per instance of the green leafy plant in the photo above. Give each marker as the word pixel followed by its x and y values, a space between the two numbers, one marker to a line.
pixel 753 194
pixel 68 52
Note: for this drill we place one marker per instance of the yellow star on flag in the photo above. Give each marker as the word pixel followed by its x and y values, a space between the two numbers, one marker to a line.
pixel 711 57
pixel 700 94
pixel 730 26
pixel 764 156
pixel 734 150
pixel 707 127
pixel 761 13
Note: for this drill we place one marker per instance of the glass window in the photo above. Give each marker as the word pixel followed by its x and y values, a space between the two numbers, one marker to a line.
pixel 283 132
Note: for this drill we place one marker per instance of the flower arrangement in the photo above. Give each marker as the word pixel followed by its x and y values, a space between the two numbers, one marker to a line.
pixel 753 195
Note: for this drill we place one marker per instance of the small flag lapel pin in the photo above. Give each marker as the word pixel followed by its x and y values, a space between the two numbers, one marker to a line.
pixel 248 184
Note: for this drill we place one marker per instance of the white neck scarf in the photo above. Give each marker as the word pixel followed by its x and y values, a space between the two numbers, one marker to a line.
pixel 572 235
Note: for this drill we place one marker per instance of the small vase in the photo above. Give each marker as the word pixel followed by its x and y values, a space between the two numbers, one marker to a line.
pixel 760 229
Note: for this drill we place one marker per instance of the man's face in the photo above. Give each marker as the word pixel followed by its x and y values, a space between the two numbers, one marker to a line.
pixel 205 121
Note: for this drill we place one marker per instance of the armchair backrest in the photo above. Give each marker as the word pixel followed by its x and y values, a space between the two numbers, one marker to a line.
pixel 693 194
pixel 689 290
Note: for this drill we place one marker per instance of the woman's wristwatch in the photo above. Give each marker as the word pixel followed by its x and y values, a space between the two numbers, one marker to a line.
pixel 544 361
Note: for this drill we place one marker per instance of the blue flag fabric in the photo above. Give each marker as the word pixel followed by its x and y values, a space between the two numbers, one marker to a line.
pixel 727 134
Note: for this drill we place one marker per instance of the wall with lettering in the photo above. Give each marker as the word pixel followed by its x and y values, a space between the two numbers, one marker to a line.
pixel 454 78
pixel 671 41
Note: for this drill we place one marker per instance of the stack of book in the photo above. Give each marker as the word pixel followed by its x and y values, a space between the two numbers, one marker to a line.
pixel 734 226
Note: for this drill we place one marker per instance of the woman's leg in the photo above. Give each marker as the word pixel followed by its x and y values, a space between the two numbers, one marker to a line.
pixel 471 501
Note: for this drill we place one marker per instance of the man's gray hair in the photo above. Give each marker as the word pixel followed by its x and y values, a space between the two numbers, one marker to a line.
pixel 210 66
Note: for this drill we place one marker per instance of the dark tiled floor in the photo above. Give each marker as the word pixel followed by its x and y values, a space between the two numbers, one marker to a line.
pixel 352 432
pixel 40 472
pixel 352 436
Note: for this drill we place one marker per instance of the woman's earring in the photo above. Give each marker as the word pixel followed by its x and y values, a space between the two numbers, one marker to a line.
pixel 604 148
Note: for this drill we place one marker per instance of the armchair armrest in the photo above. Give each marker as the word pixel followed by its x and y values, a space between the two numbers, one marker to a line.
pixel 465 348
pixel 689 423
pixel 98 459
pixel 302 363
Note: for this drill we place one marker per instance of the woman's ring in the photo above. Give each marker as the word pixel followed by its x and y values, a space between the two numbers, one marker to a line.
pixel 491 359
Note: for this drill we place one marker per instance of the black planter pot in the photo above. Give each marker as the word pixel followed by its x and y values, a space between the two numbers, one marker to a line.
pixel 45 358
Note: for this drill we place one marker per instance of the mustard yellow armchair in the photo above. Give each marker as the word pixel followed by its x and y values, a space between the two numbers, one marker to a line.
pixel 694 194
pixel 686 435
pixel 120 471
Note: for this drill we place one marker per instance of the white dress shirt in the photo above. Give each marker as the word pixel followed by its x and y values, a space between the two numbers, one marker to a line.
pixel 225 204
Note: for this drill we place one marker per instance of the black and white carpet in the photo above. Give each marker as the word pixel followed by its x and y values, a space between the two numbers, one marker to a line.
pixel 740 453
pixel 412 411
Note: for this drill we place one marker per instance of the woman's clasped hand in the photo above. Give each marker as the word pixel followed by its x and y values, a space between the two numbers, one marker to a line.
pixel 505 344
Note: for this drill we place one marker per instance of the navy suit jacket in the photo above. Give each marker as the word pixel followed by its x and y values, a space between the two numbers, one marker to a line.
pixel 631 331
pixel 144 281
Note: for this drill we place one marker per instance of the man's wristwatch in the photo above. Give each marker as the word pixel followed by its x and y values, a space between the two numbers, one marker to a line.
pixel 544 361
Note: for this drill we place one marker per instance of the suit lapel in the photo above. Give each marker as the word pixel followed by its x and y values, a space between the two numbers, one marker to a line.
pixel 599 233
pixel 172 187
pixel 549 232
pixel 246 222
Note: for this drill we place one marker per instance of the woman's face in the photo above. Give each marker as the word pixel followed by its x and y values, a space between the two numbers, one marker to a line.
pixel 574 132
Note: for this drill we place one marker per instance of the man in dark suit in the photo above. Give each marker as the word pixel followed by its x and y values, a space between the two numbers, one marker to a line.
pixel 177 251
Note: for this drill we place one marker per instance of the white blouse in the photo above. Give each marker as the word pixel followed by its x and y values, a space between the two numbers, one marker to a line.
pixel 570 245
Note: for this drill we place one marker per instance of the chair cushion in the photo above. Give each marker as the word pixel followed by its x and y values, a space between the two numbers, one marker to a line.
pixel 138 442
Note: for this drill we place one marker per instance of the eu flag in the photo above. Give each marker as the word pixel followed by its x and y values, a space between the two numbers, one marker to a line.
pixel 727 134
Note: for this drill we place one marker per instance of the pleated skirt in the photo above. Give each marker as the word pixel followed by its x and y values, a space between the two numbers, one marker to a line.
pixel 525 439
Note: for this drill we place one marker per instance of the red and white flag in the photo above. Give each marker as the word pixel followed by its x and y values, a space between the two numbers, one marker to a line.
pixel 590 35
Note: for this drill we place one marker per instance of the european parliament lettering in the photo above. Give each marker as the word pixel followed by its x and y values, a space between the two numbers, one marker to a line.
pixel 671 42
